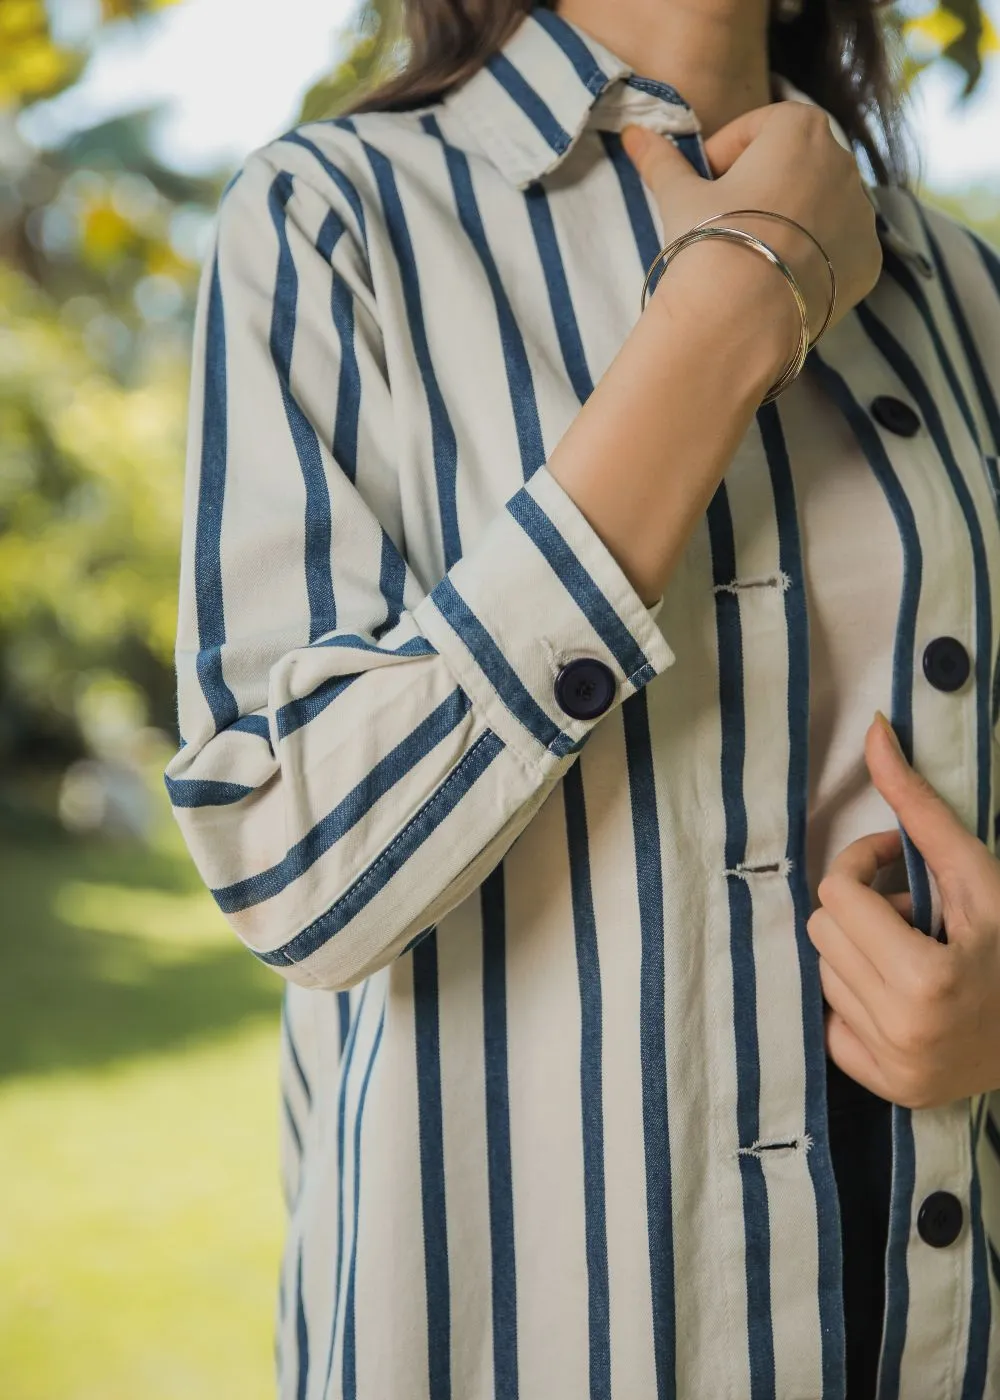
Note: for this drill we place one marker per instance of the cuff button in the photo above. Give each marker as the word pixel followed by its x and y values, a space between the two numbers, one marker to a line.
pixel 585 688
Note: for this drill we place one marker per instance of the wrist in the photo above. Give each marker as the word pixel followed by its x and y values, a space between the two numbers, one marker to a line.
pixel 741 304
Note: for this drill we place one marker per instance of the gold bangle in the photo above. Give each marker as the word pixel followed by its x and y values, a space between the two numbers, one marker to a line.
pixel 771 214
pixel 739 235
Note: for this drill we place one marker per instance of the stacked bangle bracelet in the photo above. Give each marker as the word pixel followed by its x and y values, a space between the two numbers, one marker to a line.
pixel 738 235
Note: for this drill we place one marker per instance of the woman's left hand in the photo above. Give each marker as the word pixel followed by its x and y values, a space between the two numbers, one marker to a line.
pixel 914 1020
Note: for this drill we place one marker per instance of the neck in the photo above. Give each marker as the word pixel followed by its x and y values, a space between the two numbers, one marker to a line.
pixel 714 52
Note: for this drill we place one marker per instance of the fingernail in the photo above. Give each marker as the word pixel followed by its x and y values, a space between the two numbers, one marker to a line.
pixel 880 717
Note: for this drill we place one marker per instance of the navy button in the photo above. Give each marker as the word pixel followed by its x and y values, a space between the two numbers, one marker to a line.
pixel 895 415
pixel 946 663
pixel 939 1219
pixel 585 687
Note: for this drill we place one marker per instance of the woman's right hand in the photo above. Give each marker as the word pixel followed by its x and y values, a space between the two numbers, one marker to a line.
pixel 782 157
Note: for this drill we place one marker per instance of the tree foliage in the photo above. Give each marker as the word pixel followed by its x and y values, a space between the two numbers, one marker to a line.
pixel 100 249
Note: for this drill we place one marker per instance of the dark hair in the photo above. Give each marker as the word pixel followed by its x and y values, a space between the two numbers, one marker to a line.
pixel 839 52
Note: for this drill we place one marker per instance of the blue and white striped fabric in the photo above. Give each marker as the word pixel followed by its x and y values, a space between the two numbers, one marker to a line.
pixel 552 1054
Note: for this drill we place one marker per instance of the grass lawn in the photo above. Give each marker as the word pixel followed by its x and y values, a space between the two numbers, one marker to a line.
pixel 142 1217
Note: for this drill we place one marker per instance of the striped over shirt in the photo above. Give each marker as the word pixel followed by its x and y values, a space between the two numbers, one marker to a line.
pixel 552 1053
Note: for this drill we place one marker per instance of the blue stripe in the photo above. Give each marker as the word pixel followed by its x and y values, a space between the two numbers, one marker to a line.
pixel 432 1179
pixel 729 649
pixel 442 432
pixel 902 274
pixel 371 881
pixel 974 1380
pixel 980 1304
pixel 252 724
pixel 318 522
pixel 358 641
pixel 391 769
pixel 993 1134
pixel 498 1160
pixel 652 973
pixel 520 91
pixel 497 669
pixel 578 582
pixel 345 1071
pixel 993 473
pixel 990 258
pixel 979 1122
pixel 907 371
pixel 585 64
pixel 208 526
pixel 344 185
pixel 591 1084
pixel 293 1126
pixel 690 146
pixel 229 185
pixel 392 582
pixel 520 384
pixel 984 388
pixel 652 1053
pixel 297 713
pixel 819 1163
pixel 350 1369
pixel 532 451
pixel 903 664
pixel 343 1017
pixel 584 922
pixel 301 1336
pixel 345 430
pixel 190 792
pixel 293 1051
pixel 536 202
pixel 418 938
pixel 656 89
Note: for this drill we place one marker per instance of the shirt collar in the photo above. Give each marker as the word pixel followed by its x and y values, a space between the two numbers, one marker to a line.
pixel 551 80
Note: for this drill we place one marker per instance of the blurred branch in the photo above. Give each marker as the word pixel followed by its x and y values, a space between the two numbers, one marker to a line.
pixel 372 48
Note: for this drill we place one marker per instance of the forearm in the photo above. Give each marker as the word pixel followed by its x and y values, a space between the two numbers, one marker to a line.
pixel 645 455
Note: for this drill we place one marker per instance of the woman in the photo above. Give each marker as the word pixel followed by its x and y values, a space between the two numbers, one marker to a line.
pixel 527 658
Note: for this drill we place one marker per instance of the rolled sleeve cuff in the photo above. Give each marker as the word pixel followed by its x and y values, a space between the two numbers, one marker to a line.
pixel 540 589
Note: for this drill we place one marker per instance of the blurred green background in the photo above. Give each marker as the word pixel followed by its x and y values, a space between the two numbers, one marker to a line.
pixel 142 1216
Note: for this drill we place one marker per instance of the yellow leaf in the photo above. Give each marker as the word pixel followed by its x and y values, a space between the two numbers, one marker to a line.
pixel 161 260
pixel 119 9
pixel 34 68
pixel 23 17
pixel 105 233
pixel 940 27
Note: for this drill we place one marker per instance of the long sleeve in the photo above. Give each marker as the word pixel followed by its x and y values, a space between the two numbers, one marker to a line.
pixel 357 753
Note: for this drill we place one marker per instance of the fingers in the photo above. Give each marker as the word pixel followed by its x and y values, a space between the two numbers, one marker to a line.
pixel 903 905
pixel 863 858
pixel 724 147
pixel 655 157
pixel 849 1005
pixel 852 964
pixel 873 922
